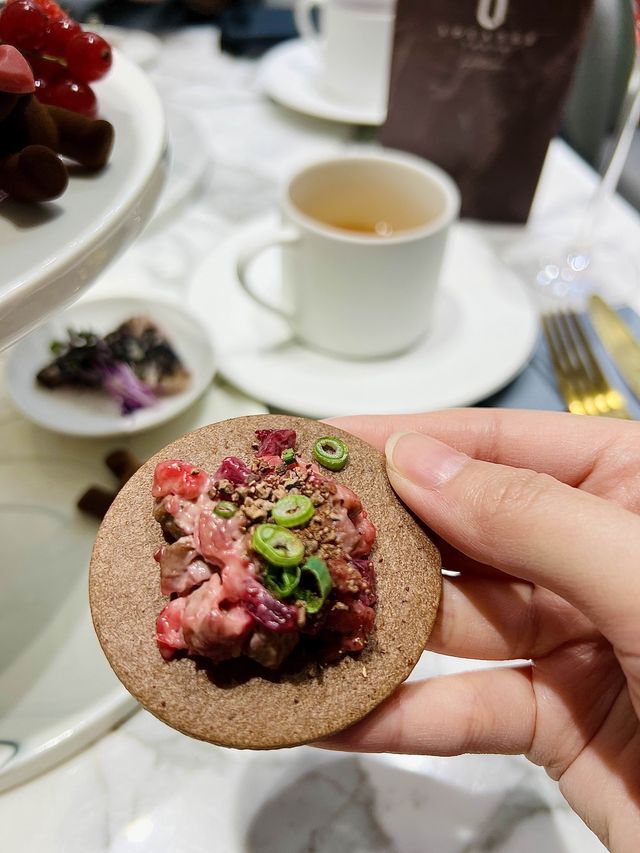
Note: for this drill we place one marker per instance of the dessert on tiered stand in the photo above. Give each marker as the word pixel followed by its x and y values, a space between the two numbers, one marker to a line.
pixel 65 99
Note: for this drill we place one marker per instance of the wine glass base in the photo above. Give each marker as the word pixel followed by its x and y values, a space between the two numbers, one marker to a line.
pixel 559 272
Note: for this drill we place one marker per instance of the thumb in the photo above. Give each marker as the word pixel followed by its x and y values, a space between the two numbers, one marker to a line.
pixel 581 547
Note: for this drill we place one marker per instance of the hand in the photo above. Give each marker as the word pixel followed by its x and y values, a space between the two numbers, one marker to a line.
pixel 539 514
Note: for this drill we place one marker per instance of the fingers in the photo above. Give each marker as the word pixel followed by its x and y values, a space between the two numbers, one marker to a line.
pixel 454 561
pixel 489 711
pixel 579 546
pixel 562 445
pixel 492 620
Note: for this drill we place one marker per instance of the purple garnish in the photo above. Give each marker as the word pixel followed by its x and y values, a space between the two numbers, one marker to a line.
pixel 87 361
pixel 123 385
pixel 273 615
pixel 274 441
pixel 233 469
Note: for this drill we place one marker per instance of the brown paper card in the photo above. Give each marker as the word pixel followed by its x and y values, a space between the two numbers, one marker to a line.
pixel 478 87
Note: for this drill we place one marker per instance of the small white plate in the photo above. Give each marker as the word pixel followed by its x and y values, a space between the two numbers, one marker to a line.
pixel 93 413
pixel 291 74
pixel 52 252
pixel 57 691
pixel 484 331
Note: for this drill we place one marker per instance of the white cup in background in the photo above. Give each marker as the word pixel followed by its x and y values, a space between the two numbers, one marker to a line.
pixel 355 44
pixel 363 238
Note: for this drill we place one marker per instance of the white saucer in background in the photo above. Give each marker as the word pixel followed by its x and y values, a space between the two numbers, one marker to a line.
pixel 95 414
pixel 291 74
pixel 484 332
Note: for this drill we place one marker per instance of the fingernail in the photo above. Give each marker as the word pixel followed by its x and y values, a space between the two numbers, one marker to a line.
pixel 423 460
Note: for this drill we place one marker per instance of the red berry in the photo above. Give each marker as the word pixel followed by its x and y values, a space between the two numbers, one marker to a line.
pixel 71 95
pixel 47 70
pixel 23 25
pixel 41 86
pixel 88 57
pixel 50 10
pixel 59 34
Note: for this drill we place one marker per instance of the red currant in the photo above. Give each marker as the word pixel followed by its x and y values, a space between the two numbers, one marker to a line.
pixel 88 57
pixel 50 10
pixel 59 34
pixel 23 25
pixel 71 95
pixel 47 70
pixel 41 86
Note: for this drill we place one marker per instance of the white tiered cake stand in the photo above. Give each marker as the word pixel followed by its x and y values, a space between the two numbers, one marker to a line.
pixel 56 689
pixel 50 253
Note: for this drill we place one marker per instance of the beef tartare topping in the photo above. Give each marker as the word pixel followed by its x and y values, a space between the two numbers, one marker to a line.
pixel 263 554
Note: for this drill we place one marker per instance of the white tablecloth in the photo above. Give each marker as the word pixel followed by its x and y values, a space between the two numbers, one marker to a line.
pixel 144 787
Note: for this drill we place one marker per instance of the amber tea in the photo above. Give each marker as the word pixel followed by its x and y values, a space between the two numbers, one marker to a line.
pixel 361 201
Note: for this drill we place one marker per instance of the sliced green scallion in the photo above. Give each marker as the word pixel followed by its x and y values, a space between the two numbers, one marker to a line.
pixel 225 509
pixel 289 456
pixel 315 584
pixel 278 546
pixel 281 582
pixel 331 453
pixel 293 511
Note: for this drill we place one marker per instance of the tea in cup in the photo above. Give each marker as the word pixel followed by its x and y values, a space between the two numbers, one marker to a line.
pixel 362 238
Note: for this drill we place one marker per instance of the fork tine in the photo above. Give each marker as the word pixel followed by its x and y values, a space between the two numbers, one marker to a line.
pixel 561 364
pixel 614 400
pixel 583 380
pixel 610 401
pixel 594 367
pixel 579 376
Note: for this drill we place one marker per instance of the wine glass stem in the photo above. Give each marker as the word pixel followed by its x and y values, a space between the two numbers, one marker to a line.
pixel 607 185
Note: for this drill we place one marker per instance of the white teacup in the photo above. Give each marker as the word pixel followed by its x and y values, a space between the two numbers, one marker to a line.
pixel 363 238
pixel 355 46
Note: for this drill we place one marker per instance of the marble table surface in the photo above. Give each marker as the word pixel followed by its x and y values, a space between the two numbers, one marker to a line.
pixel 143 787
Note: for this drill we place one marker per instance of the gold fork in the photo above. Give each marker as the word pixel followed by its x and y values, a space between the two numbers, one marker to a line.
pixel 578 374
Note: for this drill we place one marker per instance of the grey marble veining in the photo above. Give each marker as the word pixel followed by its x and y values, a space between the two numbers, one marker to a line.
pixel 330 809
pixel 519 804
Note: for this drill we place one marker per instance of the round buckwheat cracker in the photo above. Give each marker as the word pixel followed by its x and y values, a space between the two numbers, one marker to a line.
pixel 262 711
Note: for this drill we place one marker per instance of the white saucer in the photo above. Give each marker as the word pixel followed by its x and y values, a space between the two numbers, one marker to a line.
pixel 94 414
pixel 57 691
pixel 52 252
pixel 291 74
pixel 484 332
